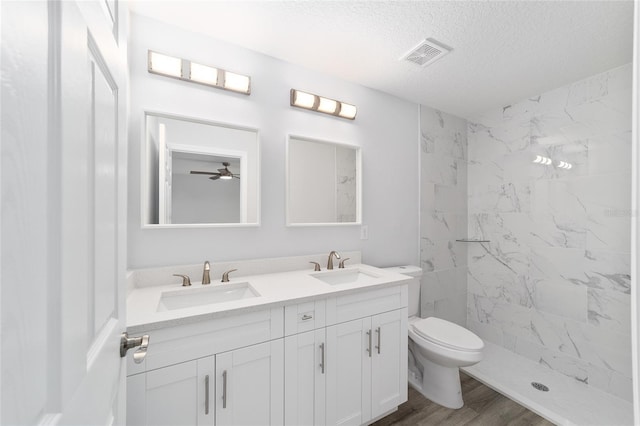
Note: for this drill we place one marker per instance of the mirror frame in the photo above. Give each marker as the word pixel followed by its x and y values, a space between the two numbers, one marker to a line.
pixel 144 184
pixel 358 148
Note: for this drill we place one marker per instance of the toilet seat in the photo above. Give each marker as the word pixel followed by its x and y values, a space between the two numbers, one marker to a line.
pixel 447 334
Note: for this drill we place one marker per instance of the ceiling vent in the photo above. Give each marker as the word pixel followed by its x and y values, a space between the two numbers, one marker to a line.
pixel 427 52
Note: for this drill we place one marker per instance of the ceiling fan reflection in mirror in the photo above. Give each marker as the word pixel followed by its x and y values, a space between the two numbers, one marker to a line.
pixel 220 174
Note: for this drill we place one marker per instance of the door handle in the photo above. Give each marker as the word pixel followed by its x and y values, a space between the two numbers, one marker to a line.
pixel 127 343
pixel 206 394
pixel 369 348
pixel 379 338
pixel 322 357
pixel 224 389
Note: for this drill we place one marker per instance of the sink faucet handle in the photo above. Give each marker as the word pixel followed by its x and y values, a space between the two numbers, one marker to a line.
pixel 225 276
pixel 341 265
pixel 186 282
pixel 317 267
pixel 206 278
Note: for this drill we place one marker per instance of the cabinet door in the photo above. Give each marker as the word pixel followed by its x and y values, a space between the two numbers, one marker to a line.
pixel 304 378
pixel 250 385
pixel 348 373
pixel 389 361
pixel 178 394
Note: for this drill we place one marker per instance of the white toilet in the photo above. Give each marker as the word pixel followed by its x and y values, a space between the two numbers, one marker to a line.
pixel 437 348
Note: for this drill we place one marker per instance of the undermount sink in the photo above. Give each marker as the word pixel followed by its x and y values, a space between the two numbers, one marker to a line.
pixel 345 276
pixel 207 295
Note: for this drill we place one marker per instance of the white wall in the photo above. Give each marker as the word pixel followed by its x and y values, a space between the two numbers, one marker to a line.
pixel 386 128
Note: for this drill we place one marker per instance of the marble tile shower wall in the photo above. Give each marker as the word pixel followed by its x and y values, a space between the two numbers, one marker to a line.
pixel 553 284
pixel 443 213
pixel 346 191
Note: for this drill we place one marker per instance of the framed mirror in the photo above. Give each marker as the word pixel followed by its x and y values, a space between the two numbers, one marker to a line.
pixel 323 182
pixel 198 173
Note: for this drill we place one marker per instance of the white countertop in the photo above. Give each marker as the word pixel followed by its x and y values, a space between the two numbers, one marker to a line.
pixel 276 289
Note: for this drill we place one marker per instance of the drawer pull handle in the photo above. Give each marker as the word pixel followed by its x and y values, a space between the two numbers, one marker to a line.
pixel 322 357
pixel 224 389
pixel 206 394
pixel 369 348
pixel 379 338
pixel 306 317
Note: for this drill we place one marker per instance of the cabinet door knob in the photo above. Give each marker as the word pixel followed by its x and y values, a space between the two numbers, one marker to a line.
pixel 379 338
pixel 306 317
pixel 369 348
pixel 127 343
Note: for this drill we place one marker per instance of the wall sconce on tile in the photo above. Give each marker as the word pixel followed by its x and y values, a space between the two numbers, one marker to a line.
pixel 321 104
pixel 186 70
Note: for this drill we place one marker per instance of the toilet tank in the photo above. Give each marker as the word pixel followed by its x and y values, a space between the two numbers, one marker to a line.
pixel 414 272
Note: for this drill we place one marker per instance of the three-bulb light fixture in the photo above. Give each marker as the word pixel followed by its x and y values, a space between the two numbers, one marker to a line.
pixel 317 103
pixel 186 70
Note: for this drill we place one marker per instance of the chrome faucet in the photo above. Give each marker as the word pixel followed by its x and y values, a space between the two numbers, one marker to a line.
pixel 225 276
pixel 206 279
pixel 330 261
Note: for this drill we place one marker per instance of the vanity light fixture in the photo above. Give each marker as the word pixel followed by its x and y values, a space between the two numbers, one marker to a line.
pixel 313 102
pixel 186 70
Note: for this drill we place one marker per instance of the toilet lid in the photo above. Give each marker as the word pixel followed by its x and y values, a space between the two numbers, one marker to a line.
pixel 447 334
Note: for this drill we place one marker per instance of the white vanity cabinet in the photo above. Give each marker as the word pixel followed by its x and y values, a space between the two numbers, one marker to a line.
pixel 334 360
pixel 366 368
pixel 178 394
pixel 246 389
pixel 354 370
pixel 225 371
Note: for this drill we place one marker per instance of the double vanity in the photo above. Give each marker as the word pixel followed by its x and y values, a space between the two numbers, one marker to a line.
pixel 290 347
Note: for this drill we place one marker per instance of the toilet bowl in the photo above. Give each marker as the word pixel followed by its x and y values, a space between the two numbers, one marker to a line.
pixel 440 347
pixel 437 348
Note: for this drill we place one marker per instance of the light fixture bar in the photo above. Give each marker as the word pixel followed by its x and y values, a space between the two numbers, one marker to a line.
pixel 186 70
pixel 305 100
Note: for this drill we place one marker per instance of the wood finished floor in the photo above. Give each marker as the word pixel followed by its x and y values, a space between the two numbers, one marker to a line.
pixel 482 406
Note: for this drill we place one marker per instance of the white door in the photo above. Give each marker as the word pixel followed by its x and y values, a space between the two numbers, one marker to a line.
pixel 389 361
pixel 63 212
pixel 349 373
pixel 250 385
pixel 181 394
pixel 305 378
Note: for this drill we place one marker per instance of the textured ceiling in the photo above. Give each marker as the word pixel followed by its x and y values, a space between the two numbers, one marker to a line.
pixel 503 51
